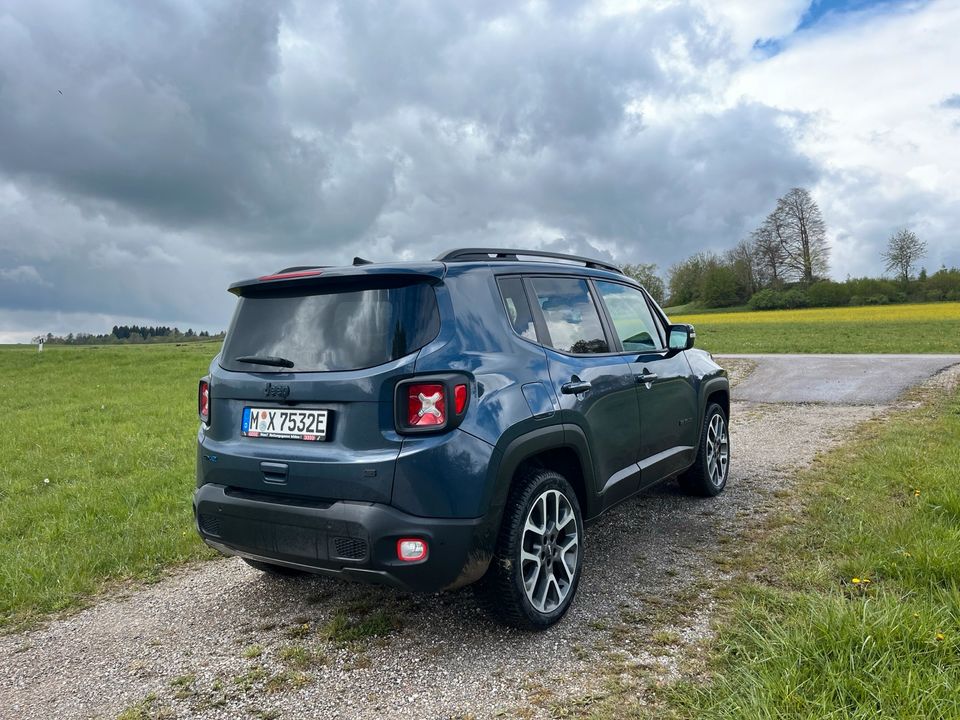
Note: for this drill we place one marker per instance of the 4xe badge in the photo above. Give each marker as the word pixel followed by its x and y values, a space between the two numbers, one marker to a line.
pixel 280 391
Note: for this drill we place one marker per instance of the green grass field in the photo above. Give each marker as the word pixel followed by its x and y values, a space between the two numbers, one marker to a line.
pixel 96 469
pixel 856 612
pixel 919 328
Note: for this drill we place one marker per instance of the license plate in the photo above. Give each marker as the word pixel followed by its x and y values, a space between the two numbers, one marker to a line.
pixel 310 425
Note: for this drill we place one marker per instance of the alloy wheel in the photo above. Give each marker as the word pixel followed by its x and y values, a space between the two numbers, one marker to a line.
pixel 549 551
pixel 718 450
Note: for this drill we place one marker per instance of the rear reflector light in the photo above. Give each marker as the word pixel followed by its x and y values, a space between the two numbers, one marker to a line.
pixel 203 401
pixel 460 398
pixel 426 404
pixel 290 275
pixel 411 549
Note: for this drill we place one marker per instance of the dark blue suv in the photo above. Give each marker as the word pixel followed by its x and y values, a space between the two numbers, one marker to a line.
pixel 430 425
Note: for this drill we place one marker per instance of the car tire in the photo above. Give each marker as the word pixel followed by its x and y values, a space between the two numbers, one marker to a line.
pixel 707 476
pixel 276 570
pixel 536 567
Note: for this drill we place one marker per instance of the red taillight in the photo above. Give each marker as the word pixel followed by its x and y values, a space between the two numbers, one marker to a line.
pixel 431 403
pixel 460 398
pixel 290 275
pixel 203 401
pixel 426 404
pixel 411 549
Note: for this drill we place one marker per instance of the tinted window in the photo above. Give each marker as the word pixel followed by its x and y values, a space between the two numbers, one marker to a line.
pixel 517 307
pixel 631 316
pixel 323 330
pixel 571 317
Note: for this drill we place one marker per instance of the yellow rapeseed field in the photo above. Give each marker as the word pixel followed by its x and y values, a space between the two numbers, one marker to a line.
pixel 865 313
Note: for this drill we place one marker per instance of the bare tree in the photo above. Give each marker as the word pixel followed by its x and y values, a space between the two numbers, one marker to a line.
pixel 768 254
pixel 903 251
pixel 743 261
pixel 801 233
pixel 646 275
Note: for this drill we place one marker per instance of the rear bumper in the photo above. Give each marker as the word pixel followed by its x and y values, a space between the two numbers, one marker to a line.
pixel 352 540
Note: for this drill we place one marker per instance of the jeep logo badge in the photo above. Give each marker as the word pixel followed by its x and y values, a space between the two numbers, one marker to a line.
pixel 280 391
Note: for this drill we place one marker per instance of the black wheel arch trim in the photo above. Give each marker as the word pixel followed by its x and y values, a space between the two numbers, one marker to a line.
pixel 708 388
pixel 507 459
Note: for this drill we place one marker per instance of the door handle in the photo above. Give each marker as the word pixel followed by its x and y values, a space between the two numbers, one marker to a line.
pixel 575 387
pixel 646 377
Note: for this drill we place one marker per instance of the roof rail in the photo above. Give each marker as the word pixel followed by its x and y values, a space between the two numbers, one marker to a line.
pixel 484 254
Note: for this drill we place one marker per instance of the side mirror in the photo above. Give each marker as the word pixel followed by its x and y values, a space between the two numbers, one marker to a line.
pixel 682 337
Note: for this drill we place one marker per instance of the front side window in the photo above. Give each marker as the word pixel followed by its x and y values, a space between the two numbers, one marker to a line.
pixel 632 319
pixel 571 317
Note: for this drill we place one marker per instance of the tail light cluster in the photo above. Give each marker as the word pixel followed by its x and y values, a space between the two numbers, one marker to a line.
pixel 203 401
pixel 430 404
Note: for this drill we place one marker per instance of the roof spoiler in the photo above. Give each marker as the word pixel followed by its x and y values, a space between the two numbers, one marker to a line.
pixel 303 275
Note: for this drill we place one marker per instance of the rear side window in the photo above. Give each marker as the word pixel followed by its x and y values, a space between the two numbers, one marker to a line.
pixel 322 330
pixel 631 316
pixel 517 307
pixel 571 317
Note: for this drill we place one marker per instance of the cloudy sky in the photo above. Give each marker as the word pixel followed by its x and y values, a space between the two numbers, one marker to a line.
pixel 151 153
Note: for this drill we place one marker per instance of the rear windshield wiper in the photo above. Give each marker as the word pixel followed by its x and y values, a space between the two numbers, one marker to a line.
pixel 265 360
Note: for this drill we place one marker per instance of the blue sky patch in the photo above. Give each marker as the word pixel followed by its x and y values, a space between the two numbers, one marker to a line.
pixel 822 11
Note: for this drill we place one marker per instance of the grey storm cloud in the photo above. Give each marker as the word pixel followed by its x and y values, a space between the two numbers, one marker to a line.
pixel 152 152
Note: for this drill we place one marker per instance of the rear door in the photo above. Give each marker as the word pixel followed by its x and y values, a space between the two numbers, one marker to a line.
pixel 595 387
pixel 665 392
pixel 349 341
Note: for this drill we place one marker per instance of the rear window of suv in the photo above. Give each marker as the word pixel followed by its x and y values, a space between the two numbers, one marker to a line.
pixel 323 330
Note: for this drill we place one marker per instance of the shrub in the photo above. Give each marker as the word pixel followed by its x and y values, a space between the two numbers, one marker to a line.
pixel 766 299
pixel 718 287
pixel 944 284
pixel 795 298
pixel 867 288
pixel 827 293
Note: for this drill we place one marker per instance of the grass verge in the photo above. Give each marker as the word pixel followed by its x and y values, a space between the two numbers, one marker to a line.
pixel 917 328
pixel 854 611
pixel 96 470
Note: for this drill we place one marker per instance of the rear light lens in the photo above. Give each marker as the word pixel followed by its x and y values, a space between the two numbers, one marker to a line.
pixel 460 398
pixel 426 404
pixel 411 549
pixel 203 401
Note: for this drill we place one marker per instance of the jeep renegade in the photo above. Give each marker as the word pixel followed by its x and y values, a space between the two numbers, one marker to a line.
pixel 431 425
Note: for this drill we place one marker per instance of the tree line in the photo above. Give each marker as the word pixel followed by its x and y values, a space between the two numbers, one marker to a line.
pixel 784 262
pixel 130 334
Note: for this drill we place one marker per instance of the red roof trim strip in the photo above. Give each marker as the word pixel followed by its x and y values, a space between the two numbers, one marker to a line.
pixel 290 275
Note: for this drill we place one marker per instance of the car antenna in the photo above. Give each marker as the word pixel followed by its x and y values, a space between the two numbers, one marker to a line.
pixel 362 261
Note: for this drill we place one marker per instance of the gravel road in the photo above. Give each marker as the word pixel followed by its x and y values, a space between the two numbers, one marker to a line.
pixel 220 640
pixel 837 379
